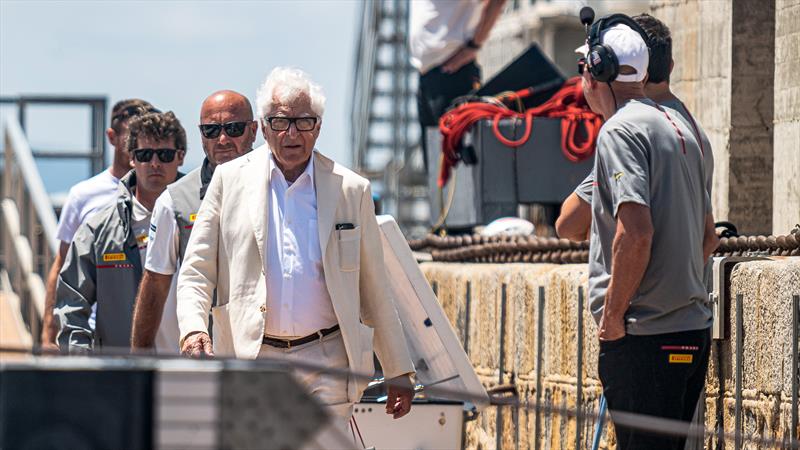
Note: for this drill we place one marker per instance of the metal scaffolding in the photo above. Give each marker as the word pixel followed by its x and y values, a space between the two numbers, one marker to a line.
pixel 385 133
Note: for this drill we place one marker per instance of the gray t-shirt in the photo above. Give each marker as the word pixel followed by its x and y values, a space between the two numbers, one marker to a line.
pixel 584 190
pixel 642 158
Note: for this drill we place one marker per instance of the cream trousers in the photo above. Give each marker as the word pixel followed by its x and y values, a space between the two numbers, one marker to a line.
pixel 328 389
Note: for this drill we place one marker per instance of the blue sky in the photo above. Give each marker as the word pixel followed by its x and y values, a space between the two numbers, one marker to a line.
pixel 172 53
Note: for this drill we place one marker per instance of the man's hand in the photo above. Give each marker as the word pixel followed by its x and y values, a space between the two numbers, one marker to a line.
pixel 611 329
pixel 197 345
pixel 49 348
pixel 398 400
pixel 462 57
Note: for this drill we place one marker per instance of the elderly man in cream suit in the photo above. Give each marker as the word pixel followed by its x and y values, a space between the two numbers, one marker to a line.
pixel 289 240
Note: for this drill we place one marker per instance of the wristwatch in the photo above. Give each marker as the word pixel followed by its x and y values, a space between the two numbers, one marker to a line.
pixel 472 44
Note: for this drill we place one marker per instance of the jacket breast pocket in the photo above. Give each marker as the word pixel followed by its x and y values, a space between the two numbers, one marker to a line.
pixel 349 249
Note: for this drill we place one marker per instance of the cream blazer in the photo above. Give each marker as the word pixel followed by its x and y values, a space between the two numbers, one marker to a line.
pixel 227 252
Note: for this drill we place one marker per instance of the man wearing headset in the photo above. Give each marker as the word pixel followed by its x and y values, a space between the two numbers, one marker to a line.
pixel 575 219
pixel 649 214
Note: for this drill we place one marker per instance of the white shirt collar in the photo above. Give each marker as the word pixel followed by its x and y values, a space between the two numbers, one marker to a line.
pixel 308 173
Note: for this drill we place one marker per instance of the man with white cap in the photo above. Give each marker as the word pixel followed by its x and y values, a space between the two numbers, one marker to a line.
pixel 649 210
pixel 575 217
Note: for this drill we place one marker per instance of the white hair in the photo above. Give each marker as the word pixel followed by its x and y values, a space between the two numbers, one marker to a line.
pixel 286 84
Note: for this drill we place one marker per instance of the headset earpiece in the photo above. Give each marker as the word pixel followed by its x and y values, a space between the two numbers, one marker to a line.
pixel 604 66
pixel 601 61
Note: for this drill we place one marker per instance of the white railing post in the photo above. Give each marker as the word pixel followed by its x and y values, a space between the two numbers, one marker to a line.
pixel 28 224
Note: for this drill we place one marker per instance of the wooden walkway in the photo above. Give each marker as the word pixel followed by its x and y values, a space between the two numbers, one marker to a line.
pixel 13 332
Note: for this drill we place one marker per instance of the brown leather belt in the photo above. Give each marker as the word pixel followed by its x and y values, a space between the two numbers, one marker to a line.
pixel 286 343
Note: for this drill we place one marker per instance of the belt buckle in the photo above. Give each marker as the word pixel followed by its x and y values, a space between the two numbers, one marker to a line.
pixel 288 344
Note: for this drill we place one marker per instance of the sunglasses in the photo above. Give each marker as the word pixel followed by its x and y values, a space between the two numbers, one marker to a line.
pixel 283 123
pixel 232 129
pixel 165 155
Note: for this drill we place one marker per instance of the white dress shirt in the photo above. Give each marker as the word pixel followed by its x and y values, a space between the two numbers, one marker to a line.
pixel 438 29
pixel 298 303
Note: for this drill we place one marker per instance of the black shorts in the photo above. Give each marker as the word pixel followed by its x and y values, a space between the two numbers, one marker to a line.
pixel 437 90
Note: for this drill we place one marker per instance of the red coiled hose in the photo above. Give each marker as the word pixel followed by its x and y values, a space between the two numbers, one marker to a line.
pixel 567 104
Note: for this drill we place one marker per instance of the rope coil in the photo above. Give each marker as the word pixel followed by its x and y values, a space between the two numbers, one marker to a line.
pixel 579 125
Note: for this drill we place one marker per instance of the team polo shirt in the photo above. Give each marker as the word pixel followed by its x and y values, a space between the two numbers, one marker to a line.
pixel 647 155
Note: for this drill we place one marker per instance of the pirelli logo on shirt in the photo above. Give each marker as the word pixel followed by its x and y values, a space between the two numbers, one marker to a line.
pixel 192 218
pixel 114 257
pixel 680 358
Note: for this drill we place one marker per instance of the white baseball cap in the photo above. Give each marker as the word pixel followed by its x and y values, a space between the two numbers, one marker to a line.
pixel 630 48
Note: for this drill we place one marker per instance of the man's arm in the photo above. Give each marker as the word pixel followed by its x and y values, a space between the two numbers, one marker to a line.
pixel 710 238
pixel 149 308
pixel 575 219
pixel 379 312
pixel 629 260
pixel 75 293
pixel 491 11
pixel 50 326
pixel 159 270
pixel 197 278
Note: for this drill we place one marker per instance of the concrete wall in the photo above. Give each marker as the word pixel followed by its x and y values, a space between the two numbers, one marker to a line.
pixel 786 187
pixel 766 286
pixel 735 68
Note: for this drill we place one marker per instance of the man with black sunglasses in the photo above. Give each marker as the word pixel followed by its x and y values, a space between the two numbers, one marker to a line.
pixel 228 131
pixel 104 263
pixel 86 199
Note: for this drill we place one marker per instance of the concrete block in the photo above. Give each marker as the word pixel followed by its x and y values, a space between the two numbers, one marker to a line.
pixel 767 288
pixel 561 338
pixel 522 311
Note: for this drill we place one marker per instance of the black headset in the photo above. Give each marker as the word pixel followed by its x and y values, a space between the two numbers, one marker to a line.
pixel 601 61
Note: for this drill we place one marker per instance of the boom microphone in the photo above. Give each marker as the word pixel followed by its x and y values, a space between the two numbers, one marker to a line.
pixel 587 16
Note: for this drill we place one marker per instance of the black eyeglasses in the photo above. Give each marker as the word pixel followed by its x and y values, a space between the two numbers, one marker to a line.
pixel 283 123
pixel 232 129
pixel 165 155
pixel 581 65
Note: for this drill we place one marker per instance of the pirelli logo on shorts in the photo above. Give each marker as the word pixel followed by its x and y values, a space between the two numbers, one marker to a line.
pixel 114 257
pixel 680 358
pixel 192 217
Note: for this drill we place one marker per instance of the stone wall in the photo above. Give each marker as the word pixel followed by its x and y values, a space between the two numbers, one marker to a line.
pixel 735 67
pixel 786 187
pixel 766 286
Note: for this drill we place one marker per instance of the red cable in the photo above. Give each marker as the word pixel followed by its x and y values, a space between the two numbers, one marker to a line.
pixel 567 104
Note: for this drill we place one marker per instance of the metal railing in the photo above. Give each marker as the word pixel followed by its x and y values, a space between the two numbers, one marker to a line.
pixel 28 223
pixel 95 155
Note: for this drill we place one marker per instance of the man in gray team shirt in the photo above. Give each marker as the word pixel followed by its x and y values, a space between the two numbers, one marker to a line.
pixel 574 221
pixel 649 221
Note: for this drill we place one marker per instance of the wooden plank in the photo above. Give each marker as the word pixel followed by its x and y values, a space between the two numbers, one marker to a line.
pixel 12 330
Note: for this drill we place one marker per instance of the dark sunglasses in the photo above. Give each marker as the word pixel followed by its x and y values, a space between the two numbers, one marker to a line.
pixel 232 129
pixel 581 65
pixel 283 123
pixel 165 155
